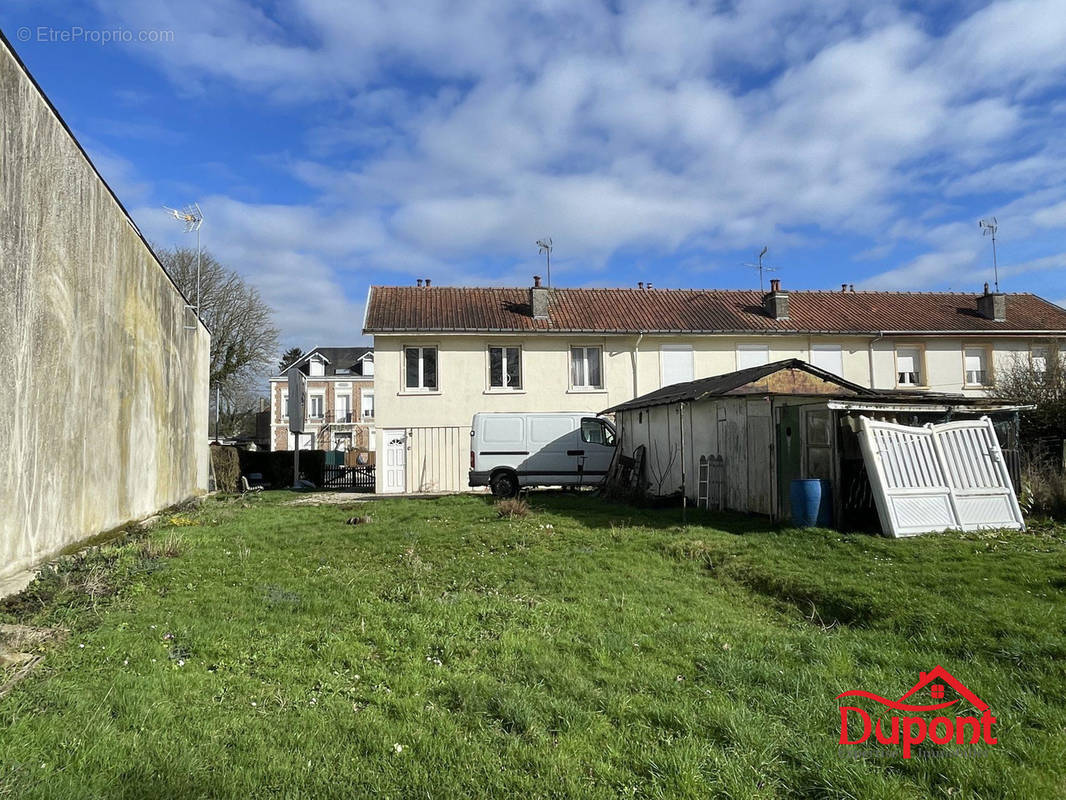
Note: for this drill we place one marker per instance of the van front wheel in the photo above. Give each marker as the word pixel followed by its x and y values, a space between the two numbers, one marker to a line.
pixel 504 484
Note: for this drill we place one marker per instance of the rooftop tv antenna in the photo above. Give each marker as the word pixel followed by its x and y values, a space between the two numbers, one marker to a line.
pixel 989 226
pixel 545 246
pixel 763 268
pixel 193 218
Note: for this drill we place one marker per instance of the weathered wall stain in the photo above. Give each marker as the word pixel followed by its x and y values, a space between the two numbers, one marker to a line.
pixel 103 392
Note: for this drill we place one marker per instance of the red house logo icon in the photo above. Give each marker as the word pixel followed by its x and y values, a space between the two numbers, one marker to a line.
pixel 912 730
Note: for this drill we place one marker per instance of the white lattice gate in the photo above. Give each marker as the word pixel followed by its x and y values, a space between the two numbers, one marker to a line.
pixel 938 477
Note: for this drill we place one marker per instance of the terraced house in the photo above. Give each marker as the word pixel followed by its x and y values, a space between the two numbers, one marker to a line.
pixel 445 353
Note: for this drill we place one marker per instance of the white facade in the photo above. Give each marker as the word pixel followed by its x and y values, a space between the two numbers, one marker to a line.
pixel 455 375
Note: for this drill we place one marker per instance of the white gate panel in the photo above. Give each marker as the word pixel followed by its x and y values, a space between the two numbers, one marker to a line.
pixel 938 477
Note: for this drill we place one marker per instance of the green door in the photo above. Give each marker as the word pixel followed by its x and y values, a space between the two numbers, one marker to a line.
pixel 789 457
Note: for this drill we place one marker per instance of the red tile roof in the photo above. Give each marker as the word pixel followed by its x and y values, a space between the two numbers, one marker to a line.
pixel 468 309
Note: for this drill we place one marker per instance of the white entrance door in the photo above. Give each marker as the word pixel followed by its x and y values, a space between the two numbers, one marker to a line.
pixel 395 465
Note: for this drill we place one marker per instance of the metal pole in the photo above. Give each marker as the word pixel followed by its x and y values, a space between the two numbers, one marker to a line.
pixel 218 401
pixel 198 272
pixel 549 268
pixel 684 494
pixel 995 263
pixel 295 459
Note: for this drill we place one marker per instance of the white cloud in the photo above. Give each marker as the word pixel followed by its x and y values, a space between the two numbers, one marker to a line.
pixel 658 126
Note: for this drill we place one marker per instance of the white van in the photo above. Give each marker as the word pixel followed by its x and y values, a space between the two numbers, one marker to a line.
pixel 508 451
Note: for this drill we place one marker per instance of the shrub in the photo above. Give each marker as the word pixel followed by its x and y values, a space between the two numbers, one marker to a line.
pixel 512 507
pixel 227 464
pixel 1043 490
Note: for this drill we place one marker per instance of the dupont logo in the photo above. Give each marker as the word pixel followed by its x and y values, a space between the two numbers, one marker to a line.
pixel 922 723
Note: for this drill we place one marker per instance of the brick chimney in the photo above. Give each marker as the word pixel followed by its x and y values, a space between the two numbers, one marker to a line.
pixel 775 301
pixel 992 305
pixel 538 299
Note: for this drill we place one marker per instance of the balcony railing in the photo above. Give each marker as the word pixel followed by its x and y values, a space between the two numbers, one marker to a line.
pixel 337 418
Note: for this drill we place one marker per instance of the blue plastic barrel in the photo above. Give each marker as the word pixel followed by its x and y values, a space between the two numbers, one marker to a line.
pixel 812 503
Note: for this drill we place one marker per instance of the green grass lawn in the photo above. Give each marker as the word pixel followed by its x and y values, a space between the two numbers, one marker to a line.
pixel 256 649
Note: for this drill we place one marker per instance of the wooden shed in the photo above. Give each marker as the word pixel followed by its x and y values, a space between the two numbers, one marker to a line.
pixel 736 441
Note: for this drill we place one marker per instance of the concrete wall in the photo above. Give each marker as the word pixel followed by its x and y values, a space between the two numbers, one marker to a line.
pixel 103 396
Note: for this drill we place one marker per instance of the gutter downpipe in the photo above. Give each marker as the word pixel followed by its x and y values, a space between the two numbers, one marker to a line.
pixel 684 493
pixel 636 355
pixel 870 353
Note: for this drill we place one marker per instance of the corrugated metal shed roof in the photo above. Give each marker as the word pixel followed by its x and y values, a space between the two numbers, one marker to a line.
pixel 730 381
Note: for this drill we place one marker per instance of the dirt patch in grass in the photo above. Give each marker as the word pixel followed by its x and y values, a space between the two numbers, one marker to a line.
pixel 22 648
pixel 325 499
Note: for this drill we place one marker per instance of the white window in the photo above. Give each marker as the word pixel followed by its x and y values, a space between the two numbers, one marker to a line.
pixel 752 355
pixel 318 367
pixel 909 366
pixel 676 362
pixel 285 406
pixel 344 408
pixel 505 368
pixel 828 357
pixel 586 368
pixel 976 360
pixel 420 369
pixel 367 400
pixel 368 366
pixel 1038 359
pixel 317 403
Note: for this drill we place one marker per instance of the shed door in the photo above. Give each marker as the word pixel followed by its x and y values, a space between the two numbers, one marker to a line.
pixel 759 462
pixel 789 457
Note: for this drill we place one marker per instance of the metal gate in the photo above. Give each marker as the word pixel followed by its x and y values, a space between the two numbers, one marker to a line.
pixel 937 477
pixel 341 476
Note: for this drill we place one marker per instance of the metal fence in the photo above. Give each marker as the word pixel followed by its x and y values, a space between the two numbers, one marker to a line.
pixel 344 477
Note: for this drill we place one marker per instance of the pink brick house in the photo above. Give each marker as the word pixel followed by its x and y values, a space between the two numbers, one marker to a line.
pixel 340 401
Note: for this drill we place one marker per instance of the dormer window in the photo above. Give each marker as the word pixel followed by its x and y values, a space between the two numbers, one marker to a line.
pixel 317 366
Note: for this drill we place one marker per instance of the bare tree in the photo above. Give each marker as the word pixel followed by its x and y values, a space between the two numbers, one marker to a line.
pixel 1026 381
pixel 244 341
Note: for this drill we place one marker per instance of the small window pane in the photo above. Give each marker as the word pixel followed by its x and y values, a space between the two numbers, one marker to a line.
pixel 976 366
pixel 593 365
pixel 514 368
pixel 496 367
pixel 908 361
pixel 577 366
pixel 429 367
pixel 1040 359
pixel 412 367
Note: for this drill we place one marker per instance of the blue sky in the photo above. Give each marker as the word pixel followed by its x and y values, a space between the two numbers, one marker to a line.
pixel 337 144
